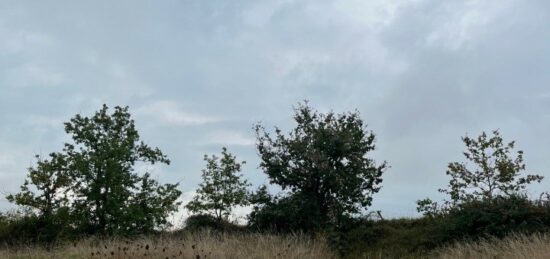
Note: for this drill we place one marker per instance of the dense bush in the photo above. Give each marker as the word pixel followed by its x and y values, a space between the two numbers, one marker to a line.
pixel 23 228
pixel 200 222
pixel 402 238
pixel 287 214
pixel 497 217
pixel 395 238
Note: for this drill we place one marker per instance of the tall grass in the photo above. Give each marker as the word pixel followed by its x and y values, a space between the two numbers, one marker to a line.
pixel 204 245
pixel 514 246
pixel 198 245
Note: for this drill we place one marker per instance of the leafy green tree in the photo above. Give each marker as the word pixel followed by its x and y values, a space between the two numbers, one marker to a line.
pixel 151 205
pixel 323 163
pixel 95 182
pixel 496 172
pixel 44 199
pixel 51 181
pixel 106 188
pixel 222 188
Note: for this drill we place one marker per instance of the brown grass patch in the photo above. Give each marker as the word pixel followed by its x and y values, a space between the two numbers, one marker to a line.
pixel 202 245
pixel 515 246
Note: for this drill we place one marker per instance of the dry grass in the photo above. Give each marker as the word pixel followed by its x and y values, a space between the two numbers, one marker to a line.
pixel 206 245
pixel 515 246
pixel 197 246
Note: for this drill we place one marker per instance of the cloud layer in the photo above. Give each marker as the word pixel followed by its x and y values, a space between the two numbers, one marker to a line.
pixel 198 74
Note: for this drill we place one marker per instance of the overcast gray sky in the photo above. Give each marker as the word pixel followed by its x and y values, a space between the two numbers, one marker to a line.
pixel 198 74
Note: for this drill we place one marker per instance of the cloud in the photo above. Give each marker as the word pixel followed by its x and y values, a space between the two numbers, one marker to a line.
pixel 260 13
pixel 13 164
pixel 31 74
pixel 17 41
pixel 421 72
pixel 460 23
pixel 169 113
pixel 41 121
pixel 6 160
pixel 229 138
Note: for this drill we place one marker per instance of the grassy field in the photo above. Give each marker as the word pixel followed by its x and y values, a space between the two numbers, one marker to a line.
pixel 209 245
pixel 196 246
pixel 515 246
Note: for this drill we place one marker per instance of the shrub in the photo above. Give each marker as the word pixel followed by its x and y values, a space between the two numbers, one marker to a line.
pixel 201 222
pixel 284 215
pixel 497 217
pixel 395 238
pixel 25 228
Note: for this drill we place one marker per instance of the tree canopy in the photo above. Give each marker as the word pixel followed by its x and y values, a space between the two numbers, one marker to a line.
pixel 51 181
pixel 494 170
pixel 324 161
pixel 97 173
pixel 222 188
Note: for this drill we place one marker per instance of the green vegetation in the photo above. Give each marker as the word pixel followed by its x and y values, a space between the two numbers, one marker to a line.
pixel 222 187
pixel 323 167
pixel 496 175
pixel 91 187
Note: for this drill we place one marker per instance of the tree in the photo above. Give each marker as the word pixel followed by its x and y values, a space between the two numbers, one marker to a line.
pixel 102 158
pixel 44 197
pixel 496 173
pixel 222 188
pixel 45 201
pixel 323 162
pixel 51 181
pixel 151 205
pixel 94 177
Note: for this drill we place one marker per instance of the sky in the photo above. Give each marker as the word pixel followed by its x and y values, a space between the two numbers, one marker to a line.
pixel 197 75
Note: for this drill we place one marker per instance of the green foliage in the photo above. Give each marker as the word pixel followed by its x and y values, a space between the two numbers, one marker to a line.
pixel 497 217
pixel 416 237
pixel 201 222
pixel 105 150
pixel 93 182
pixel 472 220
pixel 20 228
pixel 486 200
pixel 428 207
pixel 322 164
pixel 284 214
pixel 395 238
pixel 51 180
pixel 45 204
pixel 497 172
pixel 152 205
pixel 222 188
